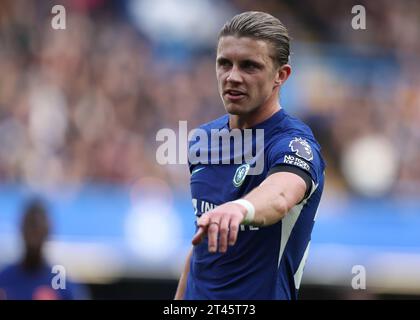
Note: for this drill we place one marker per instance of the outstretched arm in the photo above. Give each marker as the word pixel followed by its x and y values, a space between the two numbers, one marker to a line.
pixel 272 199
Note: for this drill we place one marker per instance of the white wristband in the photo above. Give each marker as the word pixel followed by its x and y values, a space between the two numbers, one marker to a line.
pixel 250 210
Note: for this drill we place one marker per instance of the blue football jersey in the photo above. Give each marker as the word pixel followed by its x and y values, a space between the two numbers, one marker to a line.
pixel 16 283
pixel 266 262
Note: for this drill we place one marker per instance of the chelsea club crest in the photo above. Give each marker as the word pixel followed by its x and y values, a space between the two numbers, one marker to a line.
pixel 240 174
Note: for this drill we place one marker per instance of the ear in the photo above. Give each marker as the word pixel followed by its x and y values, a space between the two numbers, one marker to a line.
pixel 282 74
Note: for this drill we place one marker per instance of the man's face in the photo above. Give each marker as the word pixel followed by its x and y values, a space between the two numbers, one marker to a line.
pixel 245 73
pixel 35 232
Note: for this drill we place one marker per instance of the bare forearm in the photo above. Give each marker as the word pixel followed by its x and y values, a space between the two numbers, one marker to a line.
pixel 180 291
pixel 272 203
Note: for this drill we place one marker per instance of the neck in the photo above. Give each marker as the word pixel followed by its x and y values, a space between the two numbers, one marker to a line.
pixel 270 107
pixel 32 261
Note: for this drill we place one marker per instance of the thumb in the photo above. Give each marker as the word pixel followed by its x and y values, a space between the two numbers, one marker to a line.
pixel 202 230
pixel 198 237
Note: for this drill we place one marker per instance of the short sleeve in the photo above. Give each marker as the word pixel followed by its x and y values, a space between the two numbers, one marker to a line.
pixel 297 151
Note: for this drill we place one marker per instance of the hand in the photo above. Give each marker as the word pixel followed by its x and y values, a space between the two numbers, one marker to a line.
pixel 220 223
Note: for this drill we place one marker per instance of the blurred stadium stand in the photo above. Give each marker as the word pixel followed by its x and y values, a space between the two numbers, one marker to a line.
pixel 80 109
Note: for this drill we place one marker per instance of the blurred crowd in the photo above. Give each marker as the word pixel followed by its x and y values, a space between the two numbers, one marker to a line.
pixel 84 104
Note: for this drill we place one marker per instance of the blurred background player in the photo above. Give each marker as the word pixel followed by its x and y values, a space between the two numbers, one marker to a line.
pixel 31 277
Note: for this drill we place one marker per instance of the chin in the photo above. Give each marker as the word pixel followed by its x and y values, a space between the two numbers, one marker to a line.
pixel 235 109
pixel 239 110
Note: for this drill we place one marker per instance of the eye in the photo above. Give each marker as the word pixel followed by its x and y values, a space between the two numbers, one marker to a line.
pixel 250 66
pixel 223 63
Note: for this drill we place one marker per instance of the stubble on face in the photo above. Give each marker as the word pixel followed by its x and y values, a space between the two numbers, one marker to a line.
pixel 245 74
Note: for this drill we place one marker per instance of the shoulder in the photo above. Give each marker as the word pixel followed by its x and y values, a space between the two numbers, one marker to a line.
pixel 8 272
pixel 293 126
pixel 199 137
pixel 291 132
pixel 199 140
pixel 292 142
pixel 218 123
pixel 8 269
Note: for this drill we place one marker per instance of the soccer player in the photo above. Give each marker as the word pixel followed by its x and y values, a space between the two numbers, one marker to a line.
pixel 31 278
pixel 253 231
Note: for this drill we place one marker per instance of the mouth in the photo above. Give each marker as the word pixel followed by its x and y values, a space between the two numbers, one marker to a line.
pixel 234 95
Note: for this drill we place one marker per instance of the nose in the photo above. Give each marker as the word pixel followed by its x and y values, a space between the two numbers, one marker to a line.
pixel 234 75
